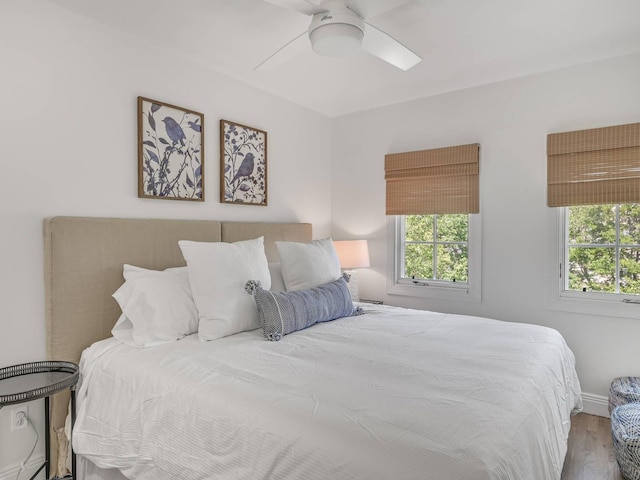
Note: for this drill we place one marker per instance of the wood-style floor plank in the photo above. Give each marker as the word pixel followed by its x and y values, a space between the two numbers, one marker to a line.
pixel 590 454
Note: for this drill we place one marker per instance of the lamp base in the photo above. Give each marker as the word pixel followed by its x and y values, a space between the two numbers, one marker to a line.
pixel 353 285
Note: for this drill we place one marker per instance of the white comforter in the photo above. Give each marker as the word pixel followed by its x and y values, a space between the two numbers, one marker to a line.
pixel 393 394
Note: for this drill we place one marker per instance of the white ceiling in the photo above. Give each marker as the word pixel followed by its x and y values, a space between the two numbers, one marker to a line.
pixel 463 43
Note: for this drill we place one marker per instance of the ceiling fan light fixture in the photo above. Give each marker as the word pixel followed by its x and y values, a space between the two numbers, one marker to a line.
pixel 336 39
pixel 336 32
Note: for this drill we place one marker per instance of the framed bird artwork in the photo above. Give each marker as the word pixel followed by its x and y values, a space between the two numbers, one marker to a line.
pixel 170 152
pixel 243 164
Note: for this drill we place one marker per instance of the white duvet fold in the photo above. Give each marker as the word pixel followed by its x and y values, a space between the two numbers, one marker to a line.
pixel 392 394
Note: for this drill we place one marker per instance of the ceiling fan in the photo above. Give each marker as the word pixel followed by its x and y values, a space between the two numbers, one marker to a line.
pixel 339 27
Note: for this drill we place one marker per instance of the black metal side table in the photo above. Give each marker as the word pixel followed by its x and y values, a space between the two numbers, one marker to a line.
pixel 31 381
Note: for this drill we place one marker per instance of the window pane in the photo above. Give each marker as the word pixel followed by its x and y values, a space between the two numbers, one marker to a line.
pixel 592 224
pixel 593 269
pixel 630 270
pixel 453 263
pixel 630 224
pixel 453 228
pixel 418 261
pixel 418 228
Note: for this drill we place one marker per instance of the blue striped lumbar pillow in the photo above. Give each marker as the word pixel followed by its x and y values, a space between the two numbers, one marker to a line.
pixel 281 313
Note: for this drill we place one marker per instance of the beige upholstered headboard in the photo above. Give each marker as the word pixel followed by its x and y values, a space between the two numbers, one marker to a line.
pixel 83 267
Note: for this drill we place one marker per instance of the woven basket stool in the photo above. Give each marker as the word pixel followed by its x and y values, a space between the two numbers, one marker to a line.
pixel 623 390
pixel 625 433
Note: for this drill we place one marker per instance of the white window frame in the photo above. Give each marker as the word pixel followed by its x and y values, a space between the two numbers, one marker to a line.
pixel 434 289
pixel 590 303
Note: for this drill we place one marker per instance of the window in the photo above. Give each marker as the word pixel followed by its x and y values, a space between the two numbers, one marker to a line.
pixel 602 249
pixel 433 204
pixel 593 178
pixel 435 256
pixel 434 248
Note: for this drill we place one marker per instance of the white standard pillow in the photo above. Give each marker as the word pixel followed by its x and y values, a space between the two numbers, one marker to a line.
pixel 308 265
pixel 218 272
pixel 277 282
pixel 131 271
pixel 157 307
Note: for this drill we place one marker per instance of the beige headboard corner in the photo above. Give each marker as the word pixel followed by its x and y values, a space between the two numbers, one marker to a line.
pixel 83 267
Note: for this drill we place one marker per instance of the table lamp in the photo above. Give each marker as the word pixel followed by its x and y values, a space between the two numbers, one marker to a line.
pixel 352 254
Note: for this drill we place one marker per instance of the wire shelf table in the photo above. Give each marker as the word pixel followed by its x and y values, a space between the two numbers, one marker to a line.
pixel 31 381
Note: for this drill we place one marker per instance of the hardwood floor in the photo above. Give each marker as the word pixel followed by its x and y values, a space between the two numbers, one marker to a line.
pixel 590 453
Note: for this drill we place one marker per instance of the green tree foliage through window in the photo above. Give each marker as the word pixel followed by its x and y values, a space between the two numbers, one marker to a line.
pixel 603 243
pixel 436 247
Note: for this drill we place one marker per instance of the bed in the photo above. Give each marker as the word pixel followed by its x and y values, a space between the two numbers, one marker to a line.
pixel 393 393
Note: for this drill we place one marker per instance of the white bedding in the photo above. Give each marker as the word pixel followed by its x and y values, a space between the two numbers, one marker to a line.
pixel 392 394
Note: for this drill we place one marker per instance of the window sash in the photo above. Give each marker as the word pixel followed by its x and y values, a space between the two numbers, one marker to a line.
pixel 401 252
pixel 617 246
pixel 577 302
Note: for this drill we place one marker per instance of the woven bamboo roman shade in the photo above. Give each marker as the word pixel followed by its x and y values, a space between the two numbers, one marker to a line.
pixel 592 167
pixel 441 180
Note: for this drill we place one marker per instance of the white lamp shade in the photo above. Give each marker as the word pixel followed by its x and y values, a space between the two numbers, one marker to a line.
pixel 352 253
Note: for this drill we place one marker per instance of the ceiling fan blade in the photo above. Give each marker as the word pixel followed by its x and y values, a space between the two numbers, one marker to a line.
pixel 383 46
pixel 308 7
pixel 370 8
pixel 285 53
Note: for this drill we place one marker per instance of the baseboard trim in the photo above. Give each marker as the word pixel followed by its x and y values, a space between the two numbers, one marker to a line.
pixel 595 404
pixel 9 473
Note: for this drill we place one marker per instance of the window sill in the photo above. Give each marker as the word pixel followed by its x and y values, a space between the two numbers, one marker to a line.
pixel 590 305
pixel 440 292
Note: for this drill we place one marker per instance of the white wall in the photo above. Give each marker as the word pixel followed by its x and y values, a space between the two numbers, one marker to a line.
pixel 510 120
pixel 68 89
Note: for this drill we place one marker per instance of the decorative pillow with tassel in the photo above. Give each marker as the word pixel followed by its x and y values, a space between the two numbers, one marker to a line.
pixel 281 313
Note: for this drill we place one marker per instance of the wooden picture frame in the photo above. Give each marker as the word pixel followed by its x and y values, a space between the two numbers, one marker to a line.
pixel 170 152
pixel 243 164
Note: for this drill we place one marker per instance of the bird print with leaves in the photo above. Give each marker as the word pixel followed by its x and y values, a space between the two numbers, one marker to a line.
pixel 244 172
pixel 171 151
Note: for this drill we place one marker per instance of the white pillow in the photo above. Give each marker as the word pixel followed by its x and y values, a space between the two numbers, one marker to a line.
pixel 218 272
pixel 308 265
pixel 157 307
pixel 277 282
pixel 131 271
